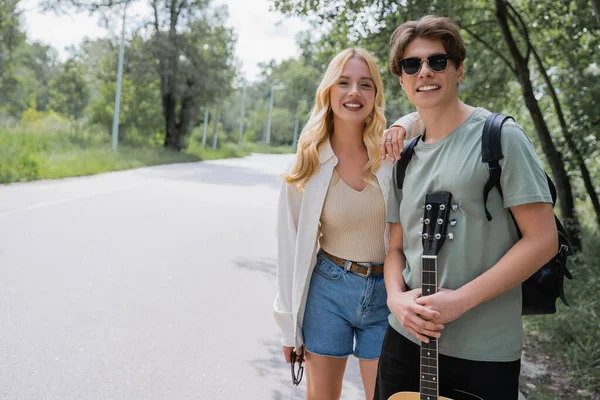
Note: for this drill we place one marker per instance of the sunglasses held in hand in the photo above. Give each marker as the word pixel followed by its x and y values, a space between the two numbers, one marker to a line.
pixel 297 371
pixel 437 63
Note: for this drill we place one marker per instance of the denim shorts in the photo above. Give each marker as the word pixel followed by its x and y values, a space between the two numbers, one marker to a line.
pixel 345 313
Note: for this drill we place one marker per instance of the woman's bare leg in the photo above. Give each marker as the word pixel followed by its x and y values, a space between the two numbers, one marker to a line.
pixel 368 373
pixel 324 376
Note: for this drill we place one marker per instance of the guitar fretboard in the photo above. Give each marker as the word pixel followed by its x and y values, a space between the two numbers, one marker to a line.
pixel 429 351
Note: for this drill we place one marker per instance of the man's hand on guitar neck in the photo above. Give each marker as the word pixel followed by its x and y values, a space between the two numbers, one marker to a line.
pixel 449 303
pixel 415 318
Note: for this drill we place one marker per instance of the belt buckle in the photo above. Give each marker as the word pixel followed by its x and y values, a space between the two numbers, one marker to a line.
pixel 369 269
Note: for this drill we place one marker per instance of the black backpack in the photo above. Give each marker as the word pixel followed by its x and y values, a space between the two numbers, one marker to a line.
pixel 540 290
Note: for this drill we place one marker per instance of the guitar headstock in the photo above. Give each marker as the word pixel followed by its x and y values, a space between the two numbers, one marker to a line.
pixel 436 221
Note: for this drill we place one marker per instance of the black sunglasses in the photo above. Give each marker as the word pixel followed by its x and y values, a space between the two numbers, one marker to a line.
pixel 297 373
pixel 437 63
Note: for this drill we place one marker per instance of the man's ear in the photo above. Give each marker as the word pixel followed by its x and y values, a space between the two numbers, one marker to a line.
pixel 400 80
pixel 460 73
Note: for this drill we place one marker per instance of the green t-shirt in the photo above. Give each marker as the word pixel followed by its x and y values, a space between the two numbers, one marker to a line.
pixel 492 331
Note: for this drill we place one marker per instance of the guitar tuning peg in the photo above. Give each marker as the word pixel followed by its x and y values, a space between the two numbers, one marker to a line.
pixel 454 207
pixel 421 220
pixel 450 236
pixel 453 222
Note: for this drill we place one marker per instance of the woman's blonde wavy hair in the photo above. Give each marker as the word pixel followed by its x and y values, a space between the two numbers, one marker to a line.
pixel 320 123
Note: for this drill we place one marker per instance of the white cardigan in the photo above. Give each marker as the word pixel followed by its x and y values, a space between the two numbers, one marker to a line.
pixel 298 218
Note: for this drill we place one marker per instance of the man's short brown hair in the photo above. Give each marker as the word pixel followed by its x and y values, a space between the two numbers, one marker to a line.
pixel 429 27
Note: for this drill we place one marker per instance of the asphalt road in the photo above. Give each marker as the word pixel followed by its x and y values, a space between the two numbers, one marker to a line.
pixel 155 283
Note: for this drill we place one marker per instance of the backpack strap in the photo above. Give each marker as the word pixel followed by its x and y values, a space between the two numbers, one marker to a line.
pixel 405 157
pixel 491 153
pixel 553 194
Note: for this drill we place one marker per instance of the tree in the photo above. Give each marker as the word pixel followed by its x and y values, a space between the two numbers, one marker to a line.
pixel 192 53
pixel 42 61
pixel 554 157
pixel 69 94
pixel 299 80
pixel 11 38
pixel 570 46
pixel 10 32
pixel 141 113
pixel 596 6
pixel 194 64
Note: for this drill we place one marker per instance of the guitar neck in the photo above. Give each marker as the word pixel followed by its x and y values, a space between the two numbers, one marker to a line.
pixel 429 351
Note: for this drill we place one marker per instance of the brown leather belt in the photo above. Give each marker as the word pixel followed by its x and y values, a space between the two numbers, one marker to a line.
pixel 363 269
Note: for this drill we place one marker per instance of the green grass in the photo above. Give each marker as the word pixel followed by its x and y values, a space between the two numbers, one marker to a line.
pixel 264 149
pixel 233 150
pixel 227 150
pixel 27 155
pixel 542 393
pixel 78 162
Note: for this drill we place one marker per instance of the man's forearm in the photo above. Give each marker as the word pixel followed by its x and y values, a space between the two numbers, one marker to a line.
pixel 412 124
pixel 521 261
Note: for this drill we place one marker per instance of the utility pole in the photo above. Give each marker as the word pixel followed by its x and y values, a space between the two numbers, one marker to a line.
pixel 242 116
pixel 297 124
pixel 115 127
pixel 271 101
pixel 205 127
pixel 216 123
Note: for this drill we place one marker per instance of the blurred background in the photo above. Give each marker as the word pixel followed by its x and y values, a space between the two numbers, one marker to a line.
pixel 91 86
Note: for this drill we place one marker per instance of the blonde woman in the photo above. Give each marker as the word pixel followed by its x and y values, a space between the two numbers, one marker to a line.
pixel 331 229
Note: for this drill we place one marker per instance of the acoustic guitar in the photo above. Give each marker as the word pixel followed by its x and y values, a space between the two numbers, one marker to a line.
pixel 435 227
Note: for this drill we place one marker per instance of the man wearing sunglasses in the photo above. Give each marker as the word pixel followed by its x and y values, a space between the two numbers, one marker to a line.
pixel 476 313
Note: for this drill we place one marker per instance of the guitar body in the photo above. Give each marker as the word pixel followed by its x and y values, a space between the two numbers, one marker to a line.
pixel 411 396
